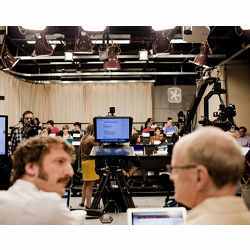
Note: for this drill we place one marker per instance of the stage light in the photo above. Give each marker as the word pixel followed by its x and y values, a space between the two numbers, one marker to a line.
pixel 112 63
pixel 83 44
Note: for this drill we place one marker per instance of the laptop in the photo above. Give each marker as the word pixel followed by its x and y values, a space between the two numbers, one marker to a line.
pixel 156 216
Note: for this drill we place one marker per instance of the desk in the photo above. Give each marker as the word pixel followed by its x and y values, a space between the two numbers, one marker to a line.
pixel 118 219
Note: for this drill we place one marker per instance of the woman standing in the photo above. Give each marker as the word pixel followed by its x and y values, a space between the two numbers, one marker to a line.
pixel 88 166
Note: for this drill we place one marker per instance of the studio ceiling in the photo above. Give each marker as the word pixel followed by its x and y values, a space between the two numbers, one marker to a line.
pixel 70 53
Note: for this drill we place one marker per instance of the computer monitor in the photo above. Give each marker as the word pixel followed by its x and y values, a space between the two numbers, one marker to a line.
pixel 3 135
pixel 112 129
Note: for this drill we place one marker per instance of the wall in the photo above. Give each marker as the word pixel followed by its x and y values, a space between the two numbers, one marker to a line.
pixel 76 101
pixel 238 85
pixel 162 108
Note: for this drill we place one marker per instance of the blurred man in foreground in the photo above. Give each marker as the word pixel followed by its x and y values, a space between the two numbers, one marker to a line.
pixel 206 168
pixel 41 170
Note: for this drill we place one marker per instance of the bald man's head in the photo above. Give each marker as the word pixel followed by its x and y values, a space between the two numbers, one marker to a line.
pixel 214 149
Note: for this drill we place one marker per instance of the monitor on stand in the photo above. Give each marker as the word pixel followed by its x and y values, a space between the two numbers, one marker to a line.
pixel 112 132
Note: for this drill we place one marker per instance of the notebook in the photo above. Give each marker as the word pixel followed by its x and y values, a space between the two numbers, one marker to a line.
pixel 156 216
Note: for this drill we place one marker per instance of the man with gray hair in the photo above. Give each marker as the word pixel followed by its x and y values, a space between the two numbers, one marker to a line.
pixel 206 168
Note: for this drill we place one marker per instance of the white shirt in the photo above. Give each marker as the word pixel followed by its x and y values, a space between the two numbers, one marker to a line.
pixel 24 203
pixel 244 141
pixel 227 210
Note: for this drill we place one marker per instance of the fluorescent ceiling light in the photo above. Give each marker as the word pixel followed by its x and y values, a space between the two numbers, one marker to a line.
pixel 50 42
pixel 177 41
pixel 34 27
pixel 93 28
pixel 111 41
pixel 162 27
pixel 245 27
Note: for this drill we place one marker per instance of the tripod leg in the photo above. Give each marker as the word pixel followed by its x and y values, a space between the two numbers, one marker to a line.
pixel 100 191
pixel 125 193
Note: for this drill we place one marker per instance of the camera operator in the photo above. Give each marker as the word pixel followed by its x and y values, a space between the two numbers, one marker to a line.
pixel 27 129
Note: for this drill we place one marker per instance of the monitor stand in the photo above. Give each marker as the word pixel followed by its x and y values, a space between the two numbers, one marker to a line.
pixel 113 188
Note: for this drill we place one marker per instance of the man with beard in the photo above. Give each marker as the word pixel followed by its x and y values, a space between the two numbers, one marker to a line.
pixel 25 131
pixel 41 170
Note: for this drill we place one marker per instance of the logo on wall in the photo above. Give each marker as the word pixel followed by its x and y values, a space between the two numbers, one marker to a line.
pixel 174 95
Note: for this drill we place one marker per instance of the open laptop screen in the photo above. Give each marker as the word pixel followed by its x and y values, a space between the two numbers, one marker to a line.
pixel 156 216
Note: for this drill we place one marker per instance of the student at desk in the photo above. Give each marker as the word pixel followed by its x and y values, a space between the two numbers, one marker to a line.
pixel 156 139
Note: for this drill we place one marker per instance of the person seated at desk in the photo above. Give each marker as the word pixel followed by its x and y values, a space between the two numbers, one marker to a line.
pixel 243 139
pixel 66 135
pixel 156 139
pixel 147 127
pixel 206 167
pixel 77 129
pixel 52 129
pixel 169 129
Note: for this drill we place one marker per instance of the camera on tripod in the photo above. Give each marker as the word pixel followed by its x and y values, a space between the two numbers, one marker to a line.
pixel 31 129
pixel 111 111
pixel 224 117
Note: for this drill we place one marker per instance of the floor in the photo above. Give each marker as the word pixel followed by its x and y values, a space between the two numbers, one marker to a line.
pixel 117 218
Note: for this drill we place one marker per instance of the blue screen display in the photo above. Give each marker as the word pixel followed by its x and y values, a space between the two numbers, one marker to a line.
pixel 3 135
pixel 112 130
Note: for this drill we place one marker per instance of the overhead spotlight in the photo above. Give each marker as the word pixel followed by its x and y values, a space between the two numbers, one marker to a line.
pixel 187 30
pixel 162 27
pixel 201 59
pixel 93 28
pixel 34 27
pixel 83 44
pixel 8 61
pixel 42 47
pixel 112 63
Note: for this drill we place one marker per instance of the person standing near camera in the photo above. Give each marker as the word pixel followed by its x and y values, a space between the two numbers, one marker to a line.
pixel 26 130
pixel 88 166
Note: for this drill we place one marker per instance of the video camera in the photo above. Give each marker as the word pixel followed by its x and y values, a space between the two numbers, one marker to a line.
pixel 31 129
pixel 224 117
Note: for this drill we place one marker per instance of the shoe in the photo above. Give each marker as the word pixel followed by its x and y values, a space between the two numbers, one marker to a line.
pixel 81 204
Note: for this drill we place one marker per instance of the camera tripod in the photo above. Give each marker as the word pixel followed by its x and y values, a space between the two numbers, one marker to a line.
pixel 113 191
